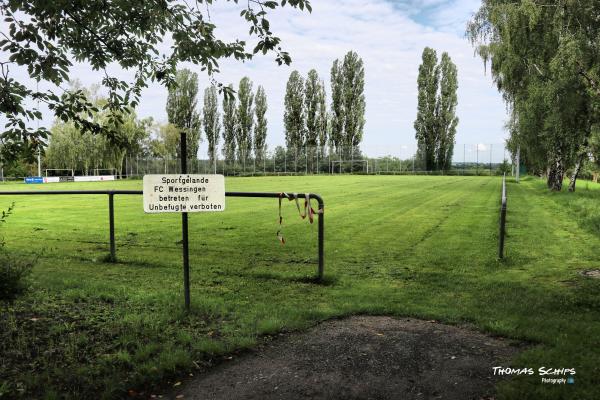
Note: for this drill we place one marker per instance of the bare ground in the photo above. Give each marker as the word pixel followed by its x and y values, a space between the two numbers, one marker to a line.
pixel 361 357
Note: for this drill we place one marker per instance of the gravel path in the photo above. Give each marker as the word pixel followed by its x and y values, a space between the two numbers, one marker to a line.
pixel 361 357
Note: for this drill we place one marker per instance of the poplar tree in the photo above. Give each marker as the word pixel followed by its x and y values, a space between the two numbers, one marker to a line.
pixel 425 125
pixel 337 106
pixel 181 110
pixel 245 120
pixel 347 103
pixel 229 127
pixel 446 113
pixel 260 129
pixel 322 119
pixel 212 125
pixel 312 93
pixel 354 101
pixel 294 115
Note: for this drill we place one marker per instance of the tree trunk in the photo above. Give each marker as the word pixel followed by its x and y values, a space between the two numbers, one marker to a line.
pixel 556 173
pixel 573 180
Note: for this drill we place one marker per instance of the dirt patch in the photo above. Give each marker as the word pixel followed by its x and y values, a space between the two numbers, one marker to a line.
pixel 362 358
pixel 592 273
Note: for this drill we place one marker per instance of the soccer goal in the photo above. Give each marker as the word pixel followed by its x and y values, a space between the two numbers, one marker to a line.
pixel 105 171
pixel 339 166
pixel 56 172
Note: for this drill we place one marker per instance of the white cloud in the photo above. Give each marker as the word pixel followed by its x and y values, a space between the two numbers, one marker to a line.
pixel 389 39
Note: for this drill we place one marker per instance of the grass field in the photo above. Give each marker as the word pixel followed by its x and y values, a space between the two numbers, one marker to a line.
pixel 403 246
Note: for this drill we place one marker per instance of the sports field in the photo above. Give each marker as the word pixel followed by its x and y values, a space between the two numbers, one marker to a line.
pixel 395 245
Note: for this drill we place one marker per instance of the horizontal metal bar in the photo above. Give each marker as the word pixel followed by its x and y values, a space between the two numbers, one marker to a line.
pixel 52 192
pixel 139 192
pixel 230 194
pixel 291 196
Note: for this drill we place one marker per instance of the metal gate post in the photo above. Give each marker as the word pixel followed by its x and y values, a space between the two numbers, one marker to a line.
pixel 321 237
pixel 502 232
pixel 184 228
pixel 111 227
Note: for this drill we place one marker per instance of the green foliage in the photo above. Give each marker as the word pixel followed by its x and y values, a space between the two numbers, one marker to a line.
pixel 316 116
pixel 294 117
pixel 13 276
pixel 425 124
pixel 323 119
pixel 260 129
pixel 446 113
pixel 244 120
pixel 353 73
pixel 45 40
pixel 312 99
pixel 336 137
pixel 504 168
pixel 212 125
pixel 13 270
pixel 83 151
pixel 229 126
pixel 18 162
pixel 165 143
pixel 544 60
pixel 181 110
pixel 347 104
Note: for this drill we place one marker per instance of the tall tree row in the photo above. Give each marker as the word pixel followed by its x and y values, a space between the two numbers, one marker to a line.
pixel 545 60
pixel 245 124
pixel 243 128
pixel 305 116
pixel 308 124
pixel 435 125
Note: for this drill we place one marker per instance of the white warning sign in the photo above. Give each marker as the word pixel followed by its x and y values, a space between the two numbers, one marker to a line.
pixel 184 193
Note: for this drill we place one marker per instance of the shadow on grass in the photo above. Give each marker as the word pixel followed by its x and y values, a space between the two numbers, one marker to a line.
pixel 268 276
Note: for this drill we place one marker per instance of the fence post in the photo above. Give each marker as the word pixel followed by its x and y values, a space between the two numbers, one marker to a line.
pixel 502 220
pixel 184 228
pixel 318 151
pixel 111 228
pixel 321 240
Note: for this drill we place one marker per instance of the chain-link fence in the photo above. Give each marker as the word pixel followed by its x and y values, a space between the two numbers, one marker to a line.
pixel 472 159
pixel 467 159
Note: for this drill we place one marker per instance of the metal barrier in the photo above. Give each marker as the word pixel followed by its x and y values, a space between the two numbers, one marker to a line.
pixel 502 219
pixel 111 211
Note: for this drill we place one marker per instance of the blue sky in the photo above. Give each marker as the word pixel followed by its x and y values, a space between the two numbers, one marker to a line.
pixel 389 35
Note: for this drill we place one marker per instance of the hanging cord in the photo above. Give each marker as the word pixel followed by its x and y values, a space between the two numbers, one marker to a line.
pixel 307 211
pixel 280 230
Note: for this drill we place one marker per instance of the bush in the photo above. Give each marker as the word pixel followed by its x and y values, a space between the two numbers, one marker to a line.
pixel 13 271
